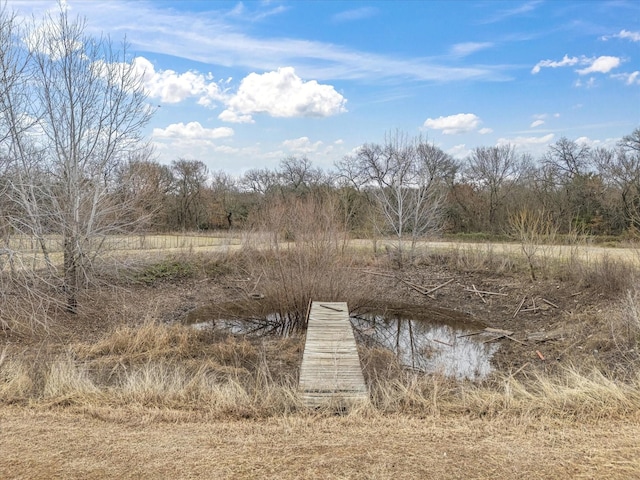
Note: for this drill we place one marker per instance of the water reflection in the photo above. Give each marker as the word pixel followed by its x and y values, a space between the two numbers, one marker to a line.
pixel 429 347
pixel 430 341
pixel 268 325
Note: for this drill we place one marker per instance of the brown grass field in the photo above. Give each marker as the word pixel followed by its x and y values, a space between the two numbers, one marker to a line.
pixel 103 443
pixel 126 389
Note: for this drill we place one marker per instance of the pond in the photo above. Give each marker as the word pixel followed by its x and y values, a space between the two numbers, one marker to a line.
pixel 453 349
pixel 429 340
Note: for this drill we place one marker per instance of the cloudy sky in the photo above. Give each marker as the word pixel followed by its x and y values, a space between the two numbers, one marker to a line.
pixel 241 85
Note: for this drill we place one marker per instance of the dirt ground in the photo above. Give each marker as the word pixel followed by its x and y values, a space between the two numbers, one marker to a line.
pixel 95 445
pixel 554 323
pixel 552 316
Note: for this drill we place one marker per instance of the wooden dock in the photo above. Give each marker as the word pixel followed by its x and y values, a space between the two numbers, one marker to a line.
pixel 330 373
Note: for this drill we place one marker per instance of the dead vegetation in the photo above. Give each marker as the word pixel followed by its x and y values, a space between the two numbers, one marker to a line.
pixel 568 358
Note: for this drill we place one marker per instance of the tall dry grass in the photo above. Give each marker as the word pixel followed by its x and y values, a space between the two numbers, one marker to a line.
pixel 158 366
pixel 476 258
pixel 176 368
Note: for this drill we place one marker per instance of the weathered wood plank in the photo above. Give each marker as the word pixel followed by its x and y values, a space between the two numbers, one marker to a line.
pixel 330 372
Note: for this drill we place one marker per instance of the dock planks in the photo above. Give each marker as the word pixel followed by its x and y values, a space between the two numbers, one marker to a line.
pixel 330 372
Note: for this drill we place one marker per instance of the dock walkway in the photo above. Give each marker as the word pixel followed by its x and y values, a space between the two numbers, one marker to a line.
pixel 330 372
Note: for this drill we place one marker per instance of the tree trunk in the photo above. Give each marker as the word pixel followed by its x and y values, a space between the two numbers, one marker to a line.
pixel 70 275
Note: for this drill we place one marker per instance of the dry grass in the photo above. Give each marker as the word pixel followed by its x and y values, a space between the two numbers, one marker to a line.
pixel 476 258
pixel 179 368
pixel 93 443
pixel 604 275
pixel 171 402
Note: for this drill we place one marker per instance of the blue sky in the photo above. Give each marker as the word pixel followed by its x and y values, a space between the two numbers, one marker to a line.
pixel 244 84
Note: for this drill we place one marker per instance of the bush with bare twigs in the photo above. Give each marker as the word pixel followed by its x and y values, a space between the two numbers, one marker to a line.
pixel 305 258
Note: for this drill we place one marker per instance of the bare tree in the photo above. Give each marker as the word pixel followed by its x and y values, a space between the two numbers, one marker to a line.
pixel 620 169
pixel 259 180
pixel 147 185
pixel 568 171
pixel 497 171
pixel 391 171
pixel 569 157
pixel 434 170
pixel 74 110
pixel 190 177
pixel 298 174
pixel 224 191
pixel 631 142
pixel 401 174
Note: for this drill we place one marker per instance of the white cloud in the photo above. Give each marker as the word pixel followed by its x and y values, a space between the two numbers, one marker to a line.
pixel 526 141
pixel 587 141
pixel 233 117
pixel 193 131
pixel 536 123
pixel 279 93
pixel 511 12
pixel 454 124
pixel 355 14
pixel 603 64
pixel 624 34
pixel 565 62
pixel 173 87
pixel 595 143
pixel 485 131
pixel 302 145
pixel 283 94
pixel 628 78
pixel 226 149
pixel 467 48
pixel 240 10
pixel 459 151
pixel 590 83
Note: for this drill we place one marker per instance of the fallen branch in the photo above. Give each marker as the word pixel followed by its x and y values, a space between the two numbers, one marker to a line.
pixel 331 308
pixel 483 292
pixel 540 355
pixel 471 334
pixel 443 343
pixel 520 369
pixel 519 306
pixel 534 309
pixel 380 274
pixel 516 340
pixel 413 286
pixel 439 286
pixel 549 303
pixel 494 339
pixel 477 292
pixel 498 330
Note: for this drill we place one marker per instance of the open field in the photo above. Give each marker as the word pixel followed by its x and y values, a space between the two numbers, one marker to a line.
pixel 126 389
pixel 129 247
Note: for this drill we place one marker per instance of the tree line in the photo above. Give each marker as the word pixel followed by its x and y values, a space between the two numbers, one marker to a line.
pixel 409 187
